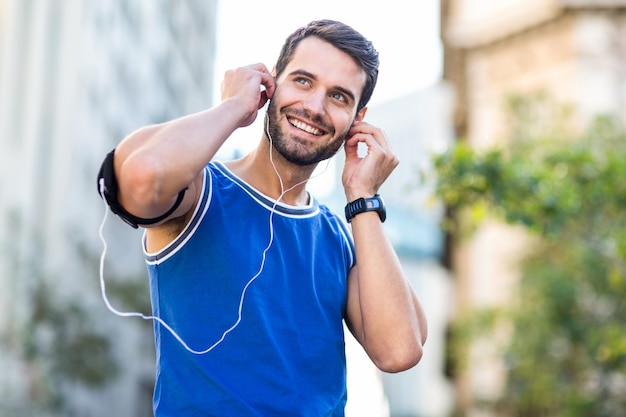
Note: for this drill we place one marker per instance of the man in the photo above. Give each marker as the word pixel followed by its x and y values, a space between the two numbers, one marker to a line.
pixel 251 273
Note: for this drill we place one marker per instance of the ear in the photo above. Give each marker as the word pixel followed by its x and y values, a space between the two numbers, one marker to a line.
pixel 360 114
pixel 274 71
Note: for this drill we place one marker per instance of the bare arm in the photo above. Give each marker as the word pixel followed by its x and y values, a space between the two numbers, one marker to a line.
pixel 154 163
pixel 383 312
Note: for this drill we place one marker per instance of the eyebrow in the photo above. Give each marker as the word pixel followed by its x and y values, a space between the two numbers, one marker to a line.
pixel 313 77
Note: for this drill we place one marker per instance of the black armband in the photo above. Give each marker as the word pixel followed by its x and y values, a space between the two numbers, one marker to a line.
pixel 107 188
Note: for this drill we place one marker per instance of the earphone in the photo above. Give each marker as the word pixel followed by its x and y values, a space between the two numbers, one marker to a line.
pixel 246 287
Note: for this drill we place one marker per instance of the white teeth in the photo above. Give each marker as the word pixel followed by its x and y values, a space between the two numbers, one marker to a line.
pixel 305 127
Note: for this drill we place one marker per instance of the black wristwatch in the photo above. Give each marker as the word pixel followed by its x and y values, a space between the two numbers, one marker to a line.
pixel 362 205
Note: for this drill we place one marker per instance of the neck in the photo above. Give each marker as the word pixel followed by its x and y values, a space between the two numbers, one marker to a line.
pixel 273 175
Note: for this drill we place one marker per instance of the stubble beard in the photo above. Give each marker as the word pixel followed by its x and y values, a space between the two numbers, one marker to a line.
pixel 293 149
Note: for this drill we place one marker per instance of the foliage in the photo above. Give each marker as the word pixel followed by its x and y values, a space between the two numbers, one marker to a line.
pixel 57 342
pixel 61 344
pixel 567 354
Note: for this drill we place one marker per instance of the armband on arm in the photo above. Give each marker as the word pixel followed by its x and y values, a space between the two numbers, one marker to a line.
pixel 107 188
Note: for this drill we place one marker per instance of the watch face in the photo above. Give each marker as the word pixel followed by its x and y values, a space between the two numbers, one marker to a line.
pixel 379 206
pixel 373 204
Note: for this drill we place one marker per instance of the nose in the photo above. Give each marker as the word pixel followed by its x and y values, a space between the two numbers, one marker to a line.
pixel 315 102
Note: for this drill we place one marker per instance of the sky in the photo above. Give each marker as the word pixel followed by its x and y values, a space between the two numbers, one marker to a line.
pixel 405 33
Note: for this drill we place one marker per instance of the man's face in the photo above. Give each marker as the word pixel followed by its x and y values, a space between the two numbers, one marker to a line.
pixel 315 102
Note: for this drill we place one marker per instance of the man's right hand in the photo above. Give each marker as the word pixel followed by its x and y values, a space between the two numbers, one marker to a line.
pixel 252 85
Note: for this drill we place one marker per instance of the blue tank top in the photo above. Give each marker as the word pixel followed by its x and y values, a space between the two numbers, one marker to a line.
pixel 286 357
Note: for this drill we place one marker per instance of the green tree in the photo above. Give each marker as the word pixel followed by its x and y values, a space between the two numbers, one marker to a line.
pixel 567 354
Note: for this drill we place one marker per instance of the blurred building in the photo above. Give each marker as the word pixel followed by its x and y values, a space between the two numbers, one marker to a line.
pixel 418 126
pixel 573 50
pixel 75 78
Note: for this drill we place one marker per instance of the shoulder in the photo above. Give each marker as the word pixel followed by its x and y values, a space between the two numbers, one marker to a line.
pixel 160 236
pixel 333 217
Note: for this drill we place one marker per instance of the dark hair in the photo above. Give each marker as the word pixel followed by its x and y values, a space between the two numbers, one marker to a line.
pixel 342 37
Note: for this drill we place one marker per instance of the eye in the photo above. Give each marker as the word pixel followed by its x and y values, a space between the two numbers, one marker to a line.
pixel 301 80
pixel 338 96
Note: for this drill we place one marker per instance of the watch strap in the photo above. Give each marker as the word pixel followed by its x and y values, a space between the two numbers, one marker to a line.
pixel 362 205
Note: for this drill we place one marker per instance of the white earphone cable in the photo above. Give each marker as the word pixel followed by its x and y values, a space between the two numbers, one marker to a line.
pixel 245 289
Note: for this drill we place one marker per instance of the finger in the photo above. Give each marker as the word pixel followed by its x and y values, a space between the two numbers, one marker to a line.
pixel 365 143
pixel 374 132
pixel 267 79
pixel 269 83
pixel 351 147
pixel 259 67
pixel 262 99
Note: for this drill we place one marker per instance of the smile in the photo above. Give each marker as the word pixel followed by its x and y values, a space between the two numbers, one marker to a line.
pixel 305 127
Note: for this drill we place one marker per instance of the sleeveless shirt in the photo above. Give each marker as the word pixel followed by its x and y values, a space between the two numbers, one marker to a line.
pixel 286 356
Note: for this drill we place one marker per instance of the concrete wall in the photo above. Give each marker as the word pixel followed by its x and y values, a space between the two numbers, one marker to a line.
pixel 75 77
